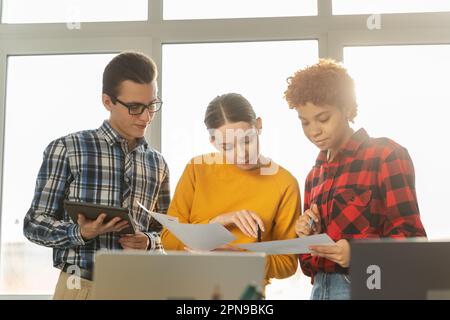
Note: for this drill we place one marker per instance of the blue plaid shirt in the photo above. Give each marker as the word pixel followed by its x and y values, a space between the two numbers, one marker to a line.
pixel 95 166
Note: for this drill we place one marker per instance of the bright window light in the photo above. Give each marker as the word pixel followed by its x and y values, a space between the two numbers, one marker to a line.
pixel 403 94
pixel 389 6
pixel 73 11
pixel 219 9
pixel 196 73
pixel 47 97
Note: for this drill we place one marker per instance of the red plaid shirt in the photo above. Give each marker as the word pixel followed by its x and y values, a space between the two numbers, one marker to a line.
pixel 367 191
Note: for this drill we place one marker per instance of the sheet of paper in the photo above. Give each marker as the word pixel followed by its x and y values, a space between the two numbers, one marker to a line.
pixel 162 218
pixel 291 246
pixel 203 237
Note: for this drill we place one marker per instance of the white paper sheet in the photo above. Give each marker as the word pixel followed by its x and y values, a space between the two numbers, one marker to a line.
pixel 291 246
pixel 203 237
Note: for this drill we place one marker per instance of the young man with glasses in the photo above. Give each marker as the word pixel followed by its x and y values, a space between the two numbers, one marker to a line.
pixel 114 166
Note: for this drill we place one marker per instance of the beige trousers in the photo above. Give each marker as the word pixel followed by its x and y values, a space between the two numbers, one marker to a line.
pixel 70 287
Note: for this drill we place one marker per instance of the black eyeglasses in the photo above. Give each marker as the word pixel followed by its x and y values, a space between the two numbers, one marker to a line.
pixel 136 109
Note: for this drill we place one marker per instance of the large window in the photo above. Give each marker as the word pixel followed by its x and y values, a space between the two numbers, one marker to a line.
pixel 204 48
pixel 47 97
pixel 389 6
pixel 403 94
pixel 196 73
pixel 72 11
pixel 218 9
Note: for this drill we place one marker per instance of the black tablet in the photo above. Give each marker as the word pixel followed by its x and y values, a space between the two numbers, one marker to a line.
pixel 92 211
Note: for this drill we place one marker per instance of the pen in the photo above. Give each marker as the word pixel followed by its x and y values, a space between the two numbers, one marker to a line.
pixel 259 234
pixel 311 223
pixel 311 220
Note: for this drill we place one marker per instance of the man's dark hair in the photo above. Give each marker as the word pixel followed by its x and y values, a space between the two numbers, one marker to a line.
pixel 133 66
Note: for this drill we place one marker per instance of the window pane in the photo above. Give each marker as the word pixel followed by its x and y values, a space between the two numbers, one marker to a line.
pixel 389 6
pixel 70 11
pixel 218 9
pixel 196 73
pixel 47 97
pixel 403 94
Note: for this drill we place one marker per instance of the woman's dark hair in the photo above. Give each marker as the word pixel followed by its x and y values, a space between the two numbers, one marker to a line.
pixel 133 66
pixel 229 108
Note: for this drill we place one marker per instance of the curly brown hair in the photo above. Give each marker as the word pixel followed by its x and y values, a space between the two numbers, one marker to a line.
pixel 324 83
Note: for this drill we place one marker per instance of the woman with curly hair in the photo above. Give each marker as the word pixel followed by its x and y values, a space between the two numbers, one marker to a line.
pixel 359 188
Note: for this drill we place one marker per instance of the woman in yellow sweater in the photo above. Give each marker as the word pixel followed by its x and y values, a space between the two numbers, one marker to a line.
pixel 237 187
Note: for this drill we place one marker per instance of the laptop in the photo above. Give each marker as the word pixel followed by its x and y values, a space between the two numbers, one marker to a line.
pixel 413 269
pixel 176 275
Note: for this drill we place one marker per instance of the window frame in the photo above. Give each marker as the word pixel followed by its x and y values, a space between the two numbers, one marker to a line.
pixel 333 32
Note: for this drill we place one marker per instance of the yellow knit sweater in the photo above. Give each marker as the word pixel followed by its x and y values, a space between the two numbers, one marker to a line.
pixel 206 190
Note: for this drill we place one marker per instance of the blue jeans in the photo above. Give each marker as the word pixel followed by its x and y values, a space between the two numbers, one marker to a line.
pixel 331 286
